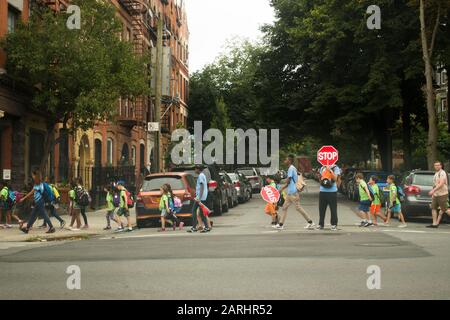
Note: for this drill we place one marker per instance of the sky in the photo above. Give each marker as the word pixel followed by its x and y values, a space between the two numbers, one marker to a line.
pixel 213 22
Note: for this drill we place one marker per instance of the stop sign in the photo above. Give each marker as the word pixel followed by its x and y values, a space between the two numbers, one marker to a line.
pixel 327 155
pixel 270 194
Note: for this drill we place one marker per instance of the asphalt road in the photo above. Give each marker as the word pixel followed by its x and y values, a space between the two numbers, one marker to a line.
pixel 243 258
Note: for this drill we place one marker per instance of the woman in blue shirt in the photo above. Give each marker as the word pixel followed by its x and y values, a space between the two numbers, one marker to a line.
pixel 39 204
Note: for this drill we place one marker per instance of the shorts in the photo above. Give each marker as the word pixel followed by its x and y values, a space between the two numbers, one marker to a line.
pixel 364 206
pixel 375 208
pixel 396 208
pixel 110 213
pixel 123 212
pixel 164 213
pixel 270 209
pixel 440 202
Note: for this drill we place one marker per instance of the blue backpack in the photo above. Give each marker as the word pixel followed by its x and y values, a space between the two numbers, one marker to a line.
pixel 400 194
pixel 48 194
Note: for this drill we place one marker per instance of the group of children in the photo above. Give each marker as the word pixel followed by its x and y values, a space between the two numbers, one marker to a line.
pixel 119 202
pixel 372 198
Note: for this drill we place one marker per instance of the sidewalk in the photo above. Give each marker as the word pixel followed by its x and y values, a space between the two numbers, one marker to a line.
pixel 96 219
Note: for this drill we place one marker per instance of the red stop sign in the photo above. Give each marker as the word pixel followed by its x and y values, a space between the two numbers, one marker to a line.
pixel 270 194
pixel 327 155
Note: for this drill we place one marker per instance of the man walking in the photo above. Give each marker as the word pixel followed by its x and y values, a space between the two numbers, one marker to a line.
pixel 201 194
pixel 439 194
pixel 292 196
pixel 329 180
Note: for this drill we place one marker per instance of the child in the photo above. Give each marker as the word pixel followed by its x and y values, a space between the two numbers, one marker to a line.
pixel 39 204
pixel 174 209
pixel 394 203
pixel 375 208
pixel 123 206
pixel 51 207
pixel 271 209
pixel 74 210
pixel 111 213
pixel 164 206
pixel 7 205
pixel 364 202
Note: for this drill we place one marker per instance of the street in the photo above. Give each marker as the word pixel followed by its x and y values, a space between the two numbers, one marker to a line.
pixel 243 258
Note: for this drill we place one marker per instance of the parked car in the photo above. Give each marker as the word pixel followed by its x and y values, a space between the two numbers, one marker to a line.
pixel 147 200
pixel 217 199
pixel 417 185
pixel 230 190
pixel 254 177
pixel 242 186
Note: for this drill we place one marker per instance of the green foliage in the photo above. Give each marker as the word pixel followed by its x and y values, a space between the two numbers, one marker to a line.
pixel 76 75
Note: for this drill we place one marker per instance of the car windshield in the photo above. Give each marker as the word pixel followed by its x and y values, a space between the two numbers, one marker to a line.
pixel 154 184
pixel 247 173
pixel 423 179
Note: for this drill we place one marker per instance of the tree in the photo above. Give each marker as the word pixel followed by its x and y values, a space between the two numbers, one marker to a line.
pixel 430 19
pixel 75 76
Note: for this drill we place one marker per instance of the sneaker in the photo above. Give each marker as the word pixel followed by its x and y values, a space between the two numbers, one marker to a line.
pixel 62 224
pixel 24 230
pixel 130 229
pixel 8 226
pixel 334 228
pixel 278 227
pixel 74 229
pixel 403 225
pixel 51 230
pixel 120 229
pixel 367 225
pixel 192 230
pixel 162 230
pixel 181 226
pixel 310 226
pixel 107 228
pixel 363 224
pixel 319 227
pixel 86 226
pixel 206 230
pixel 432 226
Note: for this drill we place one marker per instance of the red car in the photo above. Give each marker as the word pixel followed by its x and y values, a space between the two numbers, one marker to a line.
pixel 147 201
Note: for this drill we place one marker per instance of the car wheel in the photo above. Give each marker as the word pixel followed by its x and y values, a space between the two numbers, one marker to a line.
pixel 218 208
pixel 230 202
pixel 225 206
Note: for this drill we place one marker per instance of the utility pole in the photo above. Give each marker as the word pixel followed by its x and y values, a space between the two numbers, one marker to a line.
pixel 158 88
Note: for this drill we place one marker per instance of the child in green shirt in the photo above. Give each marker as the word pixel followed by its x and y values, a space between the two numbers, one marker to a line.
pixel 375 208
pixel 394 203
pixel 111 213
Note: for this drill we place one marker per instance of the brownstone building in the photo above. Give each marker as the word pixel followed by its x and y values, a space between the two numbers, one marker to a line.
pixel 124 143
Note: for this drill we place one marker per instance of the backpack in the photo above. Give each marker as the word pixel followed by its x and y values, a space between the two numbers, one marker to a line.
pixel 371 193
pixel 177 202
pixel 300 183
pixel 56 193
pixel 83 199
pixel 11 198
pixel 116 199
pixel 400 194
pixel 18 196
pixel 130 199
pixel 48 195
pixel 326 179
pixel 171 205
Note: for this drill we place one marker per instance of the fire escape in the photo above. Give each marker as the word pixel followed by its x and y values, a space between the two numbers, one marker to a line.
pixel 136 111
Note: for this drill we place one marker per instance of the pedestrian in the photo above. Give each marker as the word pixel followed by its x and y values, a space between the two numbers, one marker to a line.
pixel 112 207
pixel 164 206
pixel 51 207
pixel 41 194
pixel 82 200
pixel 292 196
pixel 175 206
pixel 365 200
pixel 123 210
pixel 8 205
pixel 394 203
pixel 330 179
pixel 439 194
pixel 74 209
pixel 201 195
pixel 271 208
pixel 375 206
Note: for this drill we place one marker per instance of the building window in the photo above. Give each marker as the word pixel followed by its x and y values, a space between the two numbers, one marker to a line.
pixel 13 18
pixel 109 151
pixel 133 155
pixel 444 110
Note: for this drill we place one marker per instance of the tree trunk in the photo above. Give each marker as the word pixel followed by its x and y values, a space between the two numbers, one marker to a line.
pixel 430 96
pixel 406 137
pixel 384 139
pixel 49 144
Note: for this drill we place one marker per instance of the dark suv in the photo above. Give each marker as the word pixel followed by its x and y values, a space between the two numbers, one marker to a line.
pixel 217 198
